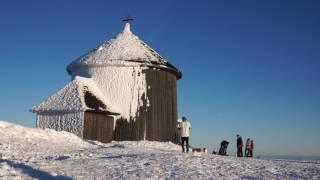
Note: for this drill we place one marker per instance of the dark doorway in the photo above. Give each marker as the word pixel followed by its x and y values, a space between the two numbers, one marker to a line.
pixel 98 126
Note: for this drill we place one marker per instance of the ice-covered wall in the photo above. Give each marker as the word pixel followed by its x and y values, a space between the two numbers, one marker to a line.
pixel 124 87
pixel 70 122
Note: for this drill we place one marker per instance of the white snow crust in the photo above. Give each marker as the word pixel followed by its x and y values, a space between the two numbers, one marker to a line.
pixel 114 72
pixel 28 153
pixel 119 50
pixel 70 122
pixel 71 98
pixel 124 87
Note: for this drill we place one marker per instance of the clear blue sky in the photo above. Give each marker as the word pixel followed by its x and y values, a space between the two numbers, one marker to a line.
pixel 250 67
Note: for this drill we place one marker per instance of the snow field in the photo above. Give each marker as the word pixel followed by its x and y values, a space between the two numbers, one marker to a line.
pixel 29 153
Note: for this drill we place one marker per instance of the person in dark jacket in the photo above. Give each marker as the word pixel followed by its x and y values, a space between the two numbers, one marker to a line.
pixel 239 146
pixel 223 148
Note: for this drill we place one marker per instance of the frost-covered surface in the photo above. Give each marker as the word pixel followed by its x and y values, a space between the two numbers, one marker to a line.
pixel 113 72
pixel 70 122
pixel 45 154
pixel 71 98
pixel 18 141
pixel 116 68
pixel 124 49
pixel 124 87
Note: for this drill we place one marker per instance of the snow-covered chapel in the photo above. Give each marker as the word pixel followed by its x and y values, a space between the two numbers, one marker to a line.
pixel 121 90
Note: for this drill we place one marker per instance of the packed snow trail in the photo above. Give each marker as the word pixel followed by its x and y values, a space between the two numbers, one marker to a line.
pixel 29 153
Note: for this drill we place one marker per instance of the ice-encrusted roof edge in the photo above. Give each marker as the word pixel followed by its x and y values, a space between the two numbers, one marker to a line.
pixel 126 49
pixel 71 98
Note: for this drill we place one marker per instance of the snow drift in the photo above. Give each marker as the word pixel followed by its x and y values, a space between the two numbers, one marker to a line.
pixel 28 153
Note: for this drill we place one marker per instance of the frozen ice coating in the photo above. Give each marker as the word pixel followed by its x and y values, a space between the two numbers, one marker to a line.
pixel 125 87
pixel 116 89
pixel 70 122
pixel 117 67
pixel 127 28
pixel 115 75
pixel 71 98
pixel 125 49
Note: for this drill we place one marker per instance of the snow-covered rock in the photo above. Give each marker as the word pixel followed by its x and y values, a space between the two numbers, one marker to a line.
pixel 28 153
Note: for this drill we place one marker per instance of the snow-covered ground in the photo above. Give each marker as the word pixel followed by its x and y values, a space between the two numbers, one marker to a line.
pixel 28 153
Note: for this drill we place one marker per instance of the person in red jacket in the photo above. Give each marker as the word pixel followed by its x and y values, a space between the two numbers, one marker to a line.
pixel 246 152
pixel 249 148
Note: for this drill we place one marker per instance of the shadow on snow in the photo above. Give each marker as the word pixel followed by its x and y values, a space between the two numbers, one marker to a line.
pixel 34 173
pixel 120 156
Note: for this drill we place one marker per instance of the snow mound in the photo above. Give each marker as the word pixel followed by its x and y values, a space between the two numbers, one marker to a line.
pixel 17 140
pixel 28 153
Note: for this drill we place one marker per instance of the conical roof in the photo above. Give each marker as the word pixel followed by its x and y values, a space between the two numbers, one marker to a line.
pixel 126 49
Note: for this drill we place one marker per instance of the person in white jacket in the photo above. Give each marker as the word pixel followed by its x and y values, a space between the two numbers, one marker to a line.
pixel 184 128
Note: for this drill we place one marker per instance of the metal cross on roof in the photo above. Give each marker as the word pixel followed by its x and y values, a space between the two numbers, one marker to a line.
pixel 128 19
